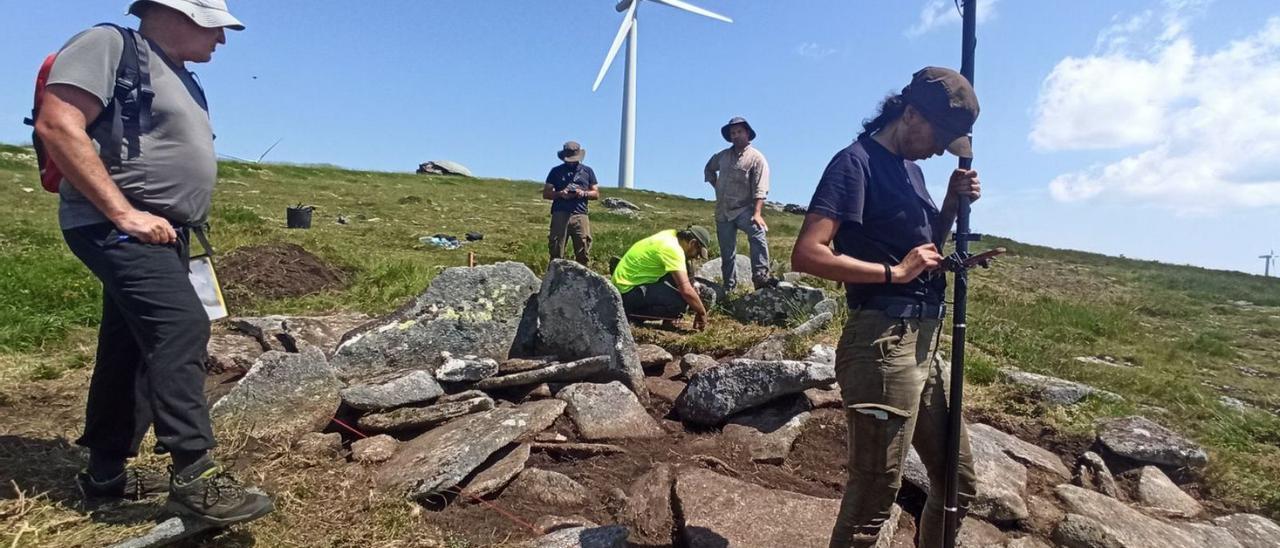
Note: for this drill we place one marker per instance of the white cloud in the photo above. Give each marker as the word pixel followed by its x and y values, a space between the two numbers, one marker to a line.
pixel 1206 125
pixel 939 13
pixel 813 50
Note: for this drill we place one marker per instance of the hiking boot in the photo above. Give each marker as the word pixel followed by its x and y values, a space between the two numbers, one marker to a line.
pixel 767 281
pixel 132 484
pixel 214 496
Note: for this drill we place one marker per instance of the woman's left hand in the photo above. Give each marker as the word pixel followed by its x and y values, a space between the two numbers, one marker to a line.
pixel 964 182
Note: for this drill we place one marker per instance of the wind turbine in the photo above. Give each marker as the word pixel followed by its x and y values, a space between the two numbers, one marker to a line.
pixel 1268 258
pixel 627 154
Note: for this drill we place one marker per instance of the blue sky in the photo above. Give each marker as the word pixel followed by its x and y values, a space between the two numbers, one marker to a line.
pixel 1148 128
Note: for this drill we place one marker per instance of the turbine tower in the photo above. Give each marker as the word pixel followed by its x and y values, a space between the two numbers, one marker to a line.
pixel 628 30
pixel 1268 258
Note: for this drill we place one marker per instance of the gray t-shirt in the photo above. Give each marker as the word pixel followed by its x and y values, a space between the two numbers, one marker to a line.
pixel 174 175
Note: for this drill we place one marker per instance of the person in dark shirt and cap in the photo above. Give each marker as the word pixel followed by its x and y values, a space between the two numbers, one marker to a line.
pixel 872 204
pixel 569 186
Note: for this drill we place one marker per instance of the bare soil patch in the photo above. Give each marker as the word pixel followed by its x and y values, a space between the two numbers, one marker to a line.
pixel 275 271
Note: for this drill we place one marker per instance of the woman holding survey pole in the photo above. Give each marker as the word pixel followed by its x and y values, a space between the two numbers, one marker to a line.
pixel 872 204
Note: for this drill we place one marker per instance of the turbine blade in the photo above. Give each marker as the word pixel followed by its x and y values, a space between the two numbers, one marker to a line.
pixel 679 4
pixel 627 21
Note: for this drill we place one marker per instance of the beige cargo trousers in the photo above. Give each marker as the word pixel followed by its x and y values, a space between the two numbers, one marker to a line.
pixel 895 390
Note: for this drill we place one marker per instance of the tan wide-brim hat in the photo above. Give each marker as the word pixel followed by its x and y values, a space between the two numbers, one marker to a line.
pixel 209 14
pixel 572 152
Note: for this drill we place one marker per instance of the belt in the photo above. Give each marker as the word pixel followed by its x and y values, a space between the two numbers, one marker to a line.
pixel 905 308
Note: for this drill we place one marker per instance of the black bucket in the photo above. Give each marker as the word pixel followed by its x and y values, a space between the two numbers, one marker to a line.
pixel 299 216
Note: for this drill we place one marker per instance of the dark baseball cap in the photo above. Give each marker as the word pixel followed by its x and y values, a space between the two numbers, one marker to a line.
pixel 946 99
pixel 702 236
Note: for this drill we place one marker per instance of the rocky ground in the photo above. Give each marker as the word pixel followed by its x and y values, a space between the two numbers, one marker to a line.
pixel 505 412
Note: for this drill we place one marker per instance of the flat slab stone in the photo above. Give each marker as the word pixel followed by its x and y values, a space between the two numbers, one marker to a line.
pixel 282 397
pixel 466 368
pixel 578 450
pixel 768 432
pixel 1157 491
pixel 716 393
pixel 662 389
pixel 495 477
pixel 581 370
pixel 1027 453
pixel 612 536
pixel 1131 528
pixel 1251 530
pixel 647 511
pixel 1055 391
pixel 520 365
pixel 607 412
pixel 1212 535
pixel 1142 440
pixel 441 458
pixel 167 532
pixel 412 418
pixel 407 389
pixel 721 511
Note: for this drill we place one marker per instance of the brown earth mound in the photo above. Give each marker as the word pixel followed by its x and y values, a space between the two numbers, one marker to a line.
pixel 275 271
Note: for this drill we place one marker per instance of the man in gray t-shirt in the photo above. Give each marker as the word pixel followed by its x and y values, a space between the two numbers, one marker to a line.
pixel 129 223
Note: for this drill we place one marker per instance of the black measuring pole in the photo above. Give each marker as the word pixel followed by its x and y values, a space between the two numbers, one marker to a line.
pixel 951 511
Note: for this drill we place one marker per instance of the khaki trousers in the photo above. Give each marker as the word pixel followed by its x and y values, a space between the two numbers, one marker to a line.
pixel 895 396
pixel 565 225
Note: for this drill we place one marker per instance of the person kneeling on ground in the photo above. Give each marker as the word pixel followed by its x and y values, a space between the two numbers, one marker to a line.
pixel 653 276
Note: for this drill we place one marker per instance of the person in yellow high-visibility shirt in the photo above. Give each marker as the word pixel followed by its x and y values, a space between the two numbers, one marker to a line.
pixel 653 276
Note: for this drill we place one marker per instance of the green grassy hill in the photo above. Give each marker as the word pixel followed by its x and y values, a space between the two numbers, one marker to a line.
pixel 1188 335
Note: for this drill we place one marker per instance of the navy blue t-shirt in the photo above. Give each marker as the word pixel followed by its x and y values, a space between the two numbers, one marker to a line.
pixel 884 211
pixel 566 174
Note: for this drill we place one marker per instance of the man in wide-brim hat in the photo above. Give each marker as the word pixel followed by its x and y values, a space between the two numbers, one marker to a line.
pixel 570 186
pixel 130 223
pixel 740 175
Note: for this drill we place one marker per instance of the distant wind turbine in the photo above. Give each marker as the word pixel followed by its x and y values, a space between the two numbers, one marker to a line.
pixel 627 156
pixel 1268 258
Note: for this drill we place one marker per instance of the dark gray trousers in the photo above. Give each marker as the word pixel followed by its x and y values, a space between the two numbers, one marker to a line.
pixel 151 345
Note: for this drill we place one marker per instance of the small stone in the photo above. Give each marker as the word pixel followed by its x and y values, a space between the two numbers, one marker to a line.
pixel 413 387
pixel 1092 473
pixel 692 364
pixel 549 487
pixel 376 449
pixel 466 368
pixel 1142 440
pixel 608 411
pixel 652 356
pixel 1054 391
pixel 822 353
pixel 319 444
pixel 824 398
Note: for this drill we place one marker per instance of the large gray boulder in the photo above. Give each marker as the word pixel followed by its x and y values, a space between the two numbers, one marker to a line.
pixel 741 270
pixel 1127 526
pixel 1056 392
pixel 580 315
pixel 1251 530
pixel 405 389
pixel 441 458
pixel 282 397
pixel 466 311
pixel 608 411
pixel 1142 440
pixel 778 305
pixel 720 511
pixel 1002 481
pixel 718 392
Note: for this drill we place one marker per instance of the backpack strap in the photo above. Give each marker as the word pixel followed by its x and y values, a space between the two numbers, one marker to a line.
pixel 131 100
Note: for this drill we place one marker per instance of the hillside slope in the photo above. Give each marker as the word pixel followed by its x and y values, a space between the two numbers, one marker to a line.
pixel 1186 338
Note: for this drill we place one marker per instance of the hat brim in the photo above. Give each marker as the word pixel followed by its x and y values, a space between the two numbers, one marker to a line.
pixel 574 157
pixel 961 147
pixel 205 17
pixel 724 131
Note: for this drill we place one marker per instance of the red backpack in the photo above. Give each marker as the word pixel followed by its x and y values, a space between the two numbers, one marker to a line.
pixel 129 111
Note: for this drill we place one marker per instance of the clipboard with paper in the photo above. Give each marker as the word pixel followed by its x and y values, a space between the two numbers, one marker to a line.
pixel 205 280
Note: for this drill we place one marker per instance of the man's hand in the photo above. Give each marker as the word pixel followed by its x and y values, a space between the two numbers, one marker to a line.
pixel 699 322
pixel 918 260
pixel 758 220
pixel 964 182
pixel 147 228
